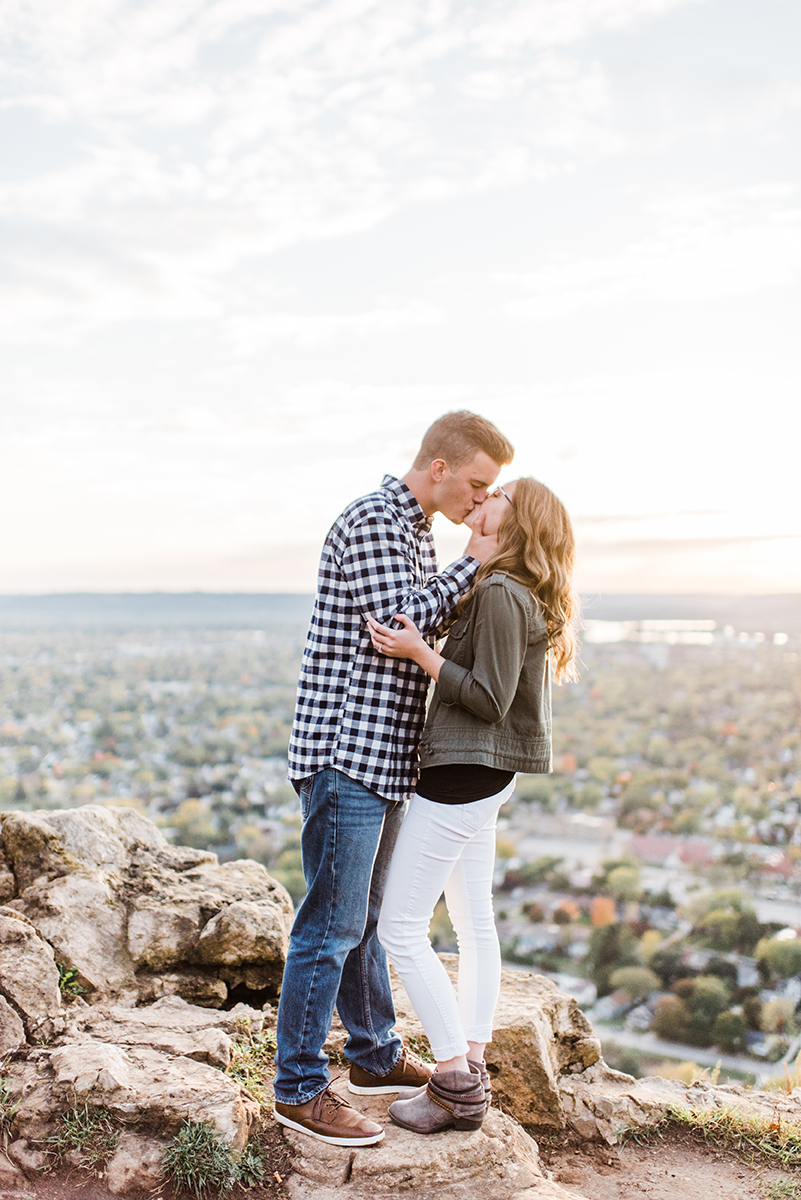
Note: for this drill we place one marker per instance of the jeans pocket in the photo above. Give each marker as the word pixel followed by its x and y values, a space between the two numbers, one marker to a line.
pixel 305 791
pixel 472 815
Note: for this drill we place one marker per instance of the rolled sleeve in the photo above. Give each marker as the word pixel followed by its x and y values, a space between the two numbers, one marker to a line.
pixel 500 639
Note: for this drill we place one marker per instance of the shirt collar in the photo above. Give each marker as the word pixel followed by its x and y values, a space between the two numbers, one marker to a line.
pixel 407 502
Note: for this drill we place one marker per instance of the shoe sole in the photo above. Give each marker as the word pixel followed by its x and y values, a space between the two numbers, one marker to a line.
pixel 323 1137
pixel 376 1091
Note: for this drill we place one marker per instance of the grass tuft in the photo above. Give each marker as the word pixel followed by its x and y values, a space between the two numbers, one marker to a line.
pixel 199 1160
pixel 749 1135
pixel 251 1062
pixel 781 1189
pixel 88 1136
pixel 8 1111
pixel 788 1081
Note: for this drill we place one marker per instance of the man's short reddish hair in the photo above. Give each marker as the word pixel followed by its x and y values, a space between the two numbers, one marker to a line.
pixel 457 436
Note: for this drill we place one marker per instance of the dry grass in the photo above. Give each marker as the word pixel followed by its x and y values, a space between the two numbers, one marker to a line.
pixel 749 1135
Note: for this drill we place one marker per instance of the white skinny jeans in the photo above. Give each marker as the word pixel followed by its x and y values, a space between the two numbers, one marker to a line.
pixel 450 847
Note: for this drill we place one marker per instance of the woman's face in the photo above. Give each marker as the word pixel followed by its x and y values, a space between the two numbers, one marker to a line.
pixel 488 516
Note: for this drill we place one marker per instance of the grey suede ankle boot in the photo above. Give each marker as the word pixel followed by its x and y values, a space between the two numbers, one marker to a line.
pixel 481 1067
pixel 452 1098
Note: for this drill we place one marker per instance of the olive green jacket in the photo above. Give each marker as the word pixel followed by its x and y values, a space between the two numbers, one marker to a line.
pixel 492 703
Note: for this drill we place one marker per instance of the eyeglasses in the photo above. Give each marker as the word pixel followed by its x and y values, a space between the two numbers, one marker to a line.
pixel 500 490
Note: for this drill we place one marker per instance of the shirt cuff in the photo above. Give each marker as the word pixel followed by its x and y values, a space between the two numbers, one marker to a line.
pixel 462 569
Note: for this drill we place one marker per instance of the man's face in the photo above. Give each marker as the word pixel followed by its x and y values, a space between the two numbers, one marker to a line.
pixel 456 493
pixel 489 517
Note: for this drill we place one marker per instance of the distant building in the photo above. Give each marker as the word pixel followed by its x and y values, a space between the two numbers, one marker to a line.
pixel 603 911
pixel 665 850
pixel 639 1019
pixel 608 1008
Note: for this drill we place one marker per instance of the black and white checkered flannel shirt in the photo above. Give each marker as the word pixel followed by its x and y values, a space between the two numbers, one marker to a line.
pixel 357 711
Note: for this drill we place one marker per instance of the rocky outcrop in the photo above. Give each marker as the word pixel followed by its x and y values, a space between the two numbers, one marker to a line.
pixel 171 1026
pixel 497 1162
pixel 600 1104
pixel 542 1039
pixel 160 936
pixel 151 1068
pixel 138 918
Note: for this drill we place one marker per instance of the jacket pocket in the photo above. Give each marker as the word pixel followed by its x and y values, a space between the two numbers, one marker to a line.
pixel 459 628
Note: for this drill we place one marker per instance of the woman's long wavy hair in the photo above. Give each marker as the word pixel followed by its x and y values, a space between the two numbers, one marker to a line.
pixel 536 546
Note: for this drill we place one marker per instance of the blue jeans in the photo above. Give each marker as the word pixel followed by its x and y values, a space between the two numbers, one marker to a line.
pixel 334 956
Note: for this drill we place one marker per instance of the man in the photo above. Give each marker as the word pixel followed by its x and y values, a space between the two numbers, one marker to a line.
pixel 353 760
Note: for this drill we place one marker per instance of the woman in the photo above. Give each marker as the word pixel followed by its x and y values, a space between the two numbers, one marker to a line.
pixel 489 717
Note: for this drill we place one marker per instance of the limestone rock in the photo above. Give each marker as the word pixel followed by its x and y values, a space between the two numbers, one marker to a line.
pixel 153 1067
pixel 46 845
pixel 11 1176
pixel 245 932
pixel 600 1103
pixel 497 1161
pixel 27 1157
pixel 117 902
pixel 170 1025
pixel 193 985
pixel 29 977
pixel 29 1080
pixel 8 884
pixel 81 918
pixel 12 1031
pixel 540 1035
pixel 7 911
pixel 254 979
pixel 135 1164
pixel 161 935
pixel 154 1090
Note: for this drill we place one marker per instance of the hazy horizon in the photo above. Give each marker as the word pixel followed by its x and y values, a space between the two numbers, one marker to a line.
pixel 129 611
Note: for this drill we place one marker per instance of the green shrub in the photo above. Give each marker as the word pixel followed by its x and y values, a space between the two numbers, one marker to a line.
pixel 68 981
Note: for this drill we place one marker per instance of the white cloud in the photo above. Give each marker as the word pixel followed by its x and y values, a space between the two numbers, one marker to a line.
pixel 539 23
pixel 707 247
pixel 252 332
pixel 202 380
pixel 199 135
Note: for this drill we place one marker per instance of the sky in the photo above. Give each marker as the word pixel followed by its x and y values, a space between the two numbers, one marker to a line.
pixel 250 249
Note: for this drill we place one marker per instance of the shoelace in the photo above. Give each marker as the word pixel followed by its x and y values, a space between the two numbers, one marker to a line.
pixel 332 1101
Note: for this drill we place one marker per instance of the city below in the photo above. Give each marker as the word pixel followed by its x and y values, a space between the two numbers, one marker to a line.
pixel 656 874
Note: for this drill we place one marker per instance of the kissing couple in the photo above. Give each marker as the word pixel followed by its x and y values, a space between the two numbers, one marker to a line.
pixel 398 806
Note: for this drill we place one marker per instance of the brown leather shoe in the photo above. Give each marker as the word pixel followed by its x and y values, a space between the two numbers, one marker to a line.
pixel 330 1118
pixel 409 1072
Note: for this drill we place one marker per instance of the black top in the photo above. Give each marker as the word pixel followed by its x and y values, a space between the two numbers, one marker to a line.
pixel 461 783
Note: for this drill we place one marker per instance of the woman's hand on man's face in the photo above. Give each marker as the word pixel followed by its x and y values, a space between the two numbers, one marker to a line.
pixel 395 643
